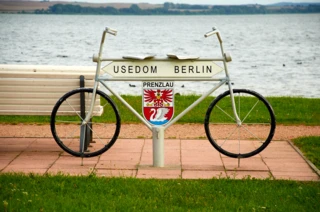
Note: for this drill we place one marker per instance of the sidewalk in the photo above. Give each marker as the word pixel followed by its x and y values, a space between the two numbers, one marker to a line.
pixel 184 158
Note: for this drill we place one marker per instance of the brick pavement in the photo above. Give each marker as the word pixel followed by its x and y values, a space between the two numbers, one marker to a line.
pixel 186 159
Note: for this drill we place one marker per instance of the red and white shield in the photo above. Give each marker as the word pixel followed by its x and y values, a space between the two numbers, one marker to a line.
pixel 158 102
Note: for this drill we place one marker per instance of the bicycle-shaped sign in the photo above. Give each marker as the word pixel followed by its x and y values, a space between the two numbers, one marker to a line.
pixel 239 123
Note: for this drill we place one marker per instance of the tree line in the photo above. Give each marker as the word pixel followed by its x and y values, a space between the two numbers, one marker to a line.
pixel 179 9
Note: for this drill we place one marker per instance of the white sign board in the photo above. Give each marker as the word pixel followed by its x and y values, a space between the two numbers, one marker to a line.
pixel 165 68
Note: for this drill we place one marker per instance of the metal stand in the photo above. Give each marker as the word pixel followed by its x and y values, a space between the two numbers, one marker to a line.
pixel 158 146
pixel 88 133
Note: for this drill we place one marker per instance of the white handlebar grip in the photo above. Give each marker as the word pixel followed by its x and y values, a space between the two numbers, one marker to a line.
pixel 214 30
pixel 111 31
pixel 209 34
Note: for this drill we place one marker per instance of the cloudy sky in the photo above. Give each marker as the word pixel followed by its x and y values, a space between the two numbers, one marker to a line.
pixel 234 2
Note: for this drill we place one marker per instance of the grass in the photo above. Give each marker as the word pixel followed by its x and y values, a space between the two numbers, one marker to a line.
pixel 288 111
pixel 91 193
pixel 310 146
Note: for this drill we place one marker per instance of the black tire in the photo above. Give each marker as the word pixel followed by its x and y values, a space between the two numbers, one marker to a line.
pixel 257 127
pixel 93 138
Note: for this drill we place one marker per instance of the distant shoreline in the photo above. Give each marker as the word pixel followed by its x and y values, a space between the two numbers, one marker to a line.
pixel 79 8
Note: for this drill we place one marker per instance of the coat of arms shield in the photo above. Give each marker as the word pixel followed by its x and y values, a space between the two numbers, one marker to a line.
pixel 158 102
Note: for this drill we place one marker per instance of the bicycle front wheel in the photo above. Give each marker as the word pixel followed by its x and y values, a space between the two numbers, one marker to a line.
pixel 92 138
pixel 240 140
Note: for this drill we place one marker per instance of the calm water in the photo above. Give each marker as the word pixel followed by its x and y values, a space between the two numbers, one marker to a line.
pixel 276 55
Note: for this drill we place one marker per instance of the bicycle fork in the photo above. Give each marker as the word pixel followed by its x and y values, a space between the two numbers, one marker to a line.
pixel 226 58
pixel 86 120
pixel 234 105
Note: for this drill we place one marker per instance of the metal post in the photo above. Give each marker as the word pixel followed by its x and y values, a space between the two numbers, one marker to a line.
pixel 158 146
pixel 88 134
pixel 82 98
pixel 83 128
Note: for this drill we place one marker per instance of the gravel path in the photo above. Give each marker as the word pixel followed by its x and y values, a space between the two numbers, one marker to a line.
pixel 177 131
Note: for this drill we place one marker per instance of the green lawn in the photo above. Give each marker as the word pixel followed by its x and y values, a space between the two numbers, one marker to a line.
pixel 288 111
pixel 91 193
pixel 310 146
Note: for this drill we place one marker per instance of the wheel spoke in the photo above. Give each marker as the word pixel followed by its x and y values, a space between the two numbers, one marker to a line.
pixel 68 122
pixel 97 135
pixel 226 113
pixel 239 136
pixel 251 133
pixel 74 110
pixel 230 134
pixel 70 135
pixel 239 106
pixel 250 111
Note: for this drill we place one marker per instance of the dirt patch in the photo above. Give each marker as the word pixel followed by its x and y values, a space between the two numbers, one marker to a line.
pixel 177 131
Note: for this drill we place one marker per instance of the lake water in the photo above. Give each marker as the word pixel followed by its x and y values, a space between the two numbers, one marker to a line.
pixel 275 55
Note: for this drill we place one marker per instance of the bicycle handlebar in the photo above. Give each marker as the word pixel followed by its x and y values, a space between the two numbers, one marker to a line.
pixel 214 31
pixel 107 30
pixel 111 31
pixel 114 32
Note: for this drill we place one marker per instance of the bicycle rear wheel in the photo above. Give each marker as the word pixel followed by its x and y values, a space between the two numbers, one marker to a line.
pixel 93 138
pixel 257 124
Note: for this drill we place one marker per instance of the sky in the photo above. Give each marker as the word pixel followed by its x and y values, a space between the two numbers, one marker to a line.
pixel 210 2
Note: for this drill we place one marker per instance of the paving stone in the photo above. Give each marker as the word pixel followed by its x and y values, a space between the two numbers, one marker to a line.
pixel 9 155
pixel 249 174
pixel 250 164
pixel 284 160
pixel 38 156
pixel 202 167
pixel 121 156
pixel 196 174
pixel 13 148
pixel 127 145
pixel 116 173
pixel 159 173
pixel 30 164
pixel 16 141
pixel 70 171
pixel 4 163
pixel 115 164
pixel 300 176
pixel 289 167
pixel 24 170
pixel 196 144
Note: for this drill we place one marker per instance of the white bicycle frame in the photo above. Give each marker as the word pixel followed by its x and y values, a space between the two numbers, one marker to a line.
pixel 158 131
